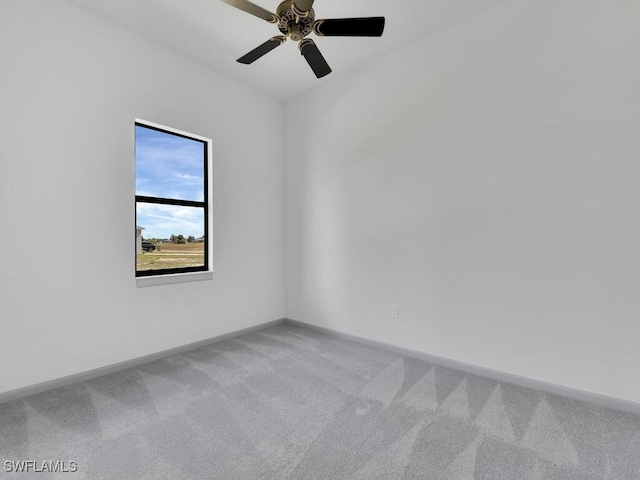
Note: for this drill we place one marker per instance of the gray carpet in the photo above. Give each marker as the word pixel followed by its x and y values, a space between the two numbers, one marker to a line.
pixel 291 403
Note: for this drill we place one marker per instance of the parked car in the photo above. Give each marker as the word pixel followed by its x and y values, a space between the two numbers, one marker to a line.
pixel 148 246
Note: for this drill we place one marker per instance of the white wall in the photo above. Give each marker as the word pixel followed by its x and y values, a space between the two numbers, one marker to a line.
pixel 70 88
pixel 486 180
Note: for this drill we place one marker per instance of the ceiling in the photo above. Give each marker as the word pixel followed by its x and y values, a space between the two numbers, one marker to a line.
pixel 216 34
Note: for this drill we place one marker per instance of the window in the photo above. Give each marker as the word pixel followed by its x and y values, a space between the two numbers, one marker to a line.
pixel 172 204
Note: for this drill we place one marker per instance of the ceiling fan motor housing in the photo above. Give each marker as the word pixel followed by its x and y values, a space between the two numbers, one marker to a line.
pixel 291 24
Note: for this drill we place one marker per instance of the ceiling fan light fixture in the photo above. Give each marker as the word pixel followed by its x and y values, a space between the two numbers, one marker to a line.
pixel 296 19
pixel 293 26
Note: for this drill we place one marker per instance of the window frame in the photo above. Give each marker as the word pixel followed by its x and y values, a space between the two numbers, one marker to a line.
pixel 154 277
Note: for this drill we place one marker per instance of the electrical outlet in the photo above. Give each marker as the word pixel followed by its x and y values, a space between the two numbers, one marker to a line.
pixel 180 311
pixel 395 311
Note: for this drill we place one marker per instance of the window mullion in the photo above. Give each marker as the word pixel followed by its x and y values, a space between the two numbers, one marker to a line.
pixel 170 201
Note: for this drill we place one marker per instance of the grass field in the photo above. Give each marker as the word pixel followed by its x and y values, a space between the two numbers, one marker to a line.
pixel 185 247
pixel 172 255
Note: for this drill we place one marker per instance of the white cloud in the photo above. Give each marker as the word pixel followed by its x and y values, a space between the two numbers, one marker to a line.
pixel 161 221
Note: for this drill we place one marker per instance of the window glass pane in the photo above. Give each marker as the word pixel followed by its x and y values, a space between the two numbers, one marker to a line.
pixel 169 166
pixel 175 233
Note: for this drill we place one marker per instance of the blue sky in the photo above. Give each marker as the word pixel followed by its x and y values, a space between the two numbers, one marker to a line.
pixel 169 166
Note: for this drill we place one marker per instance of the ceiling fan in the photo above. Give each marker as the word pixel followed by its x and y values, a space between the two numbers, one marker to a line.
pixel 296 19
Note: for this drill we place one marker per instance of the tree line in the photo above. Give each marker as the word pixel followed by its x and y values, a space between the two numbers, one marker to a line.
pixel 179 239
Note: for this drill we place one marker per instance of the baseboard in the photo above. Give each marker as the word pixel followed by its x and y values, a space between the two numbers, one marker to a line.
pixel 582 395
pixel 116 367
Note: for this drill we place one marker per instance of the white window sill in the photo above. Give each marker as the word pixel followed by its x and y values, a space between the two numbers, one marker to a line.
pixel 175 278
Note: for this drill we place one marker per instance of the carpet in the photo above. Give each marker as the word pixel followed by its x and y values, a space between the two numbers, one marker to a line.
pixel 287 402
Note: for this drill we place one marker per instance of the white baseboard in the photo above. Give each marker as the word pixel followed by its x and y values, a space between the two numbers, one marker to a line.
pixel 603 400
pixel 116 367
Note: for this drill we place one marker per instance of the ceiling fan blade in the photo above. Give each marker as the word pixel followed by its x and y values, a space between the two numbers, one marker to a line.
pixel 253 9
pixel 350 27
pixel 263 49
pixel 302 7
pixel 314 58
